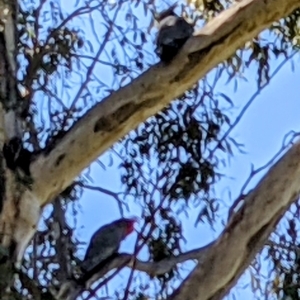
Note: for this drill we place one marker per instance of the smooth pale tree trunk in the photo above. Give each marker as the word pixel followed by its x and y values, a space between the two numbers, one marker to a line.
pixel 53 170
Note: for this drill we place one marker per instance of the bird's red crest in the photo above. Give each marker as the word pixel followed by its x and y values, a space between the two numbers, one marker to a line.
pixel 130 225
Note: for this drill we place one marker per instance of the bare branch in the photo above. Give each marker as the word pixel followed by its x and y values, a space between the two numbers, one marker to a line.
pixel 251 100
pixel 72 289
pixel 36 291
pixel 93 64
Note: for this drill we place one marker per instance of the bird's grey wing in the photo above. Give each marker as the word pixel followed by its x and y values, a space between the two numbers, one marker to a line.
pixel 102 246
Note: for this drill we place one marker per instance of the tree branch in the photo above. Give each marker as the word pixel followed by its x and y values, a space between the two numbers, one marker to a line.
pixel 73 289
pixel 246 233
pixel 36 291
pixel 126 108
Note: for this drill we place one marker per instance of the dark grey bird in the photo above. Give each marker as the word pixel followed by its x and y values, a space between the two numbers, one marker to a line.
pixel 173 32
pixel 105 243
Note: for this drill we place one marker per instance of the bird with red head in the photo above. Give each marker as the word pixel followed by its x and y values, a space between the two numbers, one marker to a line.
pixel 105 243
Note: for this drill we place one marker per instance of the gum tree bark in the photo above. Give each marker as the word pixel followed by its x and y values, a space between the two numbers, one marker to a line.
pixel 19 207
pixel 246 232
pixel 55 168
